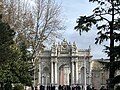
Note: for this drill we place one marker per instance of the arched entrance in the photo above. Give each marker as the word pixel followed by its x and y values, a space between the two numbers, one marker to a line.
pixel 64 75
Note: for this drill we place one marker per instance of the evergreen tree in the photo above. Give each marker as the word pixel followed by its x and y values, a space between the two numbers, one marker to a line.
pixel 14 65
pixel 6 41
pixel 107 21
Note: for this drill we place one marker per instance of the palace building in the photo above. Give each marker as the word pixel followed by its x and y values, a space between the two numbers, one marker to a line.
pixel 100 74
pixel 65 64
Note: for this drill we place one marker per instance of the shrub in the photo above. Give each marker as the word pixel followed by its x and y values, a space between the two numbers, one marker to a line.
pixel 18 86
pixel 117 87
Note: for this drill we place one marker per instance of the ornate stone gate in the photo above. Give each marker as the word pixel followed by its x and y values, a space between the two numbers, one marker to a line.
pixel 64 65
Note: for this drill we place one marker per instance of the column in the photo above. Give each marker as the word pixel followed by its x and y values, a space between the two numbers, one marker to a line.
pixel 68 76
pixel 76 71
pixel 72 79
pixel 62 76
pixel 52 73
pixel 65 76
pixel 55 72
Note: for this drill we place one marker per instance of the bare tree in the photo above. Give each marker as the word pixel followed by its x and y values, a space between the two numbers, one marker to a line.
pixel 47 24
pixel 35 22
pixel 19 17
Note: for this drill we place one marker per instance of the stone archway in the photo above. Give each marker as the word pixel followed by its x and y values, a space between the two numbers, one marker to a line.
pixel 64 75
pixel 64 57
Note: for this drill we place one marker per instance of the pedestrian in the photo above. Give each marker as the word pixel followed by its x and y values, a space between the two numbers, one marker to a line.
pixel 102 88
pixel 89 88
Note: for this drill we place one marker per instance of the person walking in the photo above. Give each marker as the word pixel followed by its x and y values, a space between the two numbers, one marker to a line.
pixel 89 88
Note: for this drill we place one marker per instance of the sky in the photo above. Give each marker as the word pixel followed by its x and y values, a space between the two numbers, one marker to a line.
pixel 71 10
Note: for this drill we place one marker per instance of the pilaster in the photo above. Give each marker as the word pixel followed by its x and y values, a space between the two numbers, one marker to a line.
pixel 72 76
pixel 56 78
pixel 76 71
pixel 39 73
pixel 52 77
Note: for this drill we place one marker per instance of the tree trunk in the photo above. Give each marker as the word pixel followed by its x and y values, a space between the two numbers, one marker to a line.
pixel 112 57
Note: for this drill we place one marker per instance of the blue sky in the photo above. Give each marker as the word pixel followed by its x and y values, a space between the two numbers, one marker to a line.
pixel 71 10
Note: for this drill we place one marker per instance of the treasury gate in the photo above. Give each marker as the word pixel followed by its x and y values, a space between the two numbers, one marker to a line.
pixel 65 64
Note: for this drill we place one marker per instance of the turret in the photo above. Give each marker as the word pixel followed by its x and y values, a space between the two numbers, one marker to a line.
pixel 54 50
pixel 74 49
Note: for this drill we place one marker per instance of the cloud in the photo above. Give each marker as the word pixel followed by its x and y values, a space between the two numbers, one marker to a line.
pixel 86 40
pixel 72 10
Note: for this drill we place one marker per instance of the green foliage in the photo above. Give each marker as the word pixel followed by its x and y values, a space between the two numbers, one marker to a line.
pixel 14 65
pixel 8 86
pixel 6 42
pixel 16 71
pixel 117 87
pixel 98 18
pixel 6 37
pixel 85 23
pixel 116 79
pixel 107 22
pixel 106 18
pixel 18 86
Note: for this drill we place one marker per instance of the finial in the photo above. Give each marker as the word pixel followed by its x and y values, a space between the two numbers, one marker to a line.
pixel 53 43
pixel 74 44
pixel 64 39
pixel 69 43
pixel 89 47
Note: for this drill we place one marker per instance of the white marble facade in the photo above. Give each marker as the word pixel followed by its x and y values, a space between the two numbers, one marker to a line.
pixel 64 65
